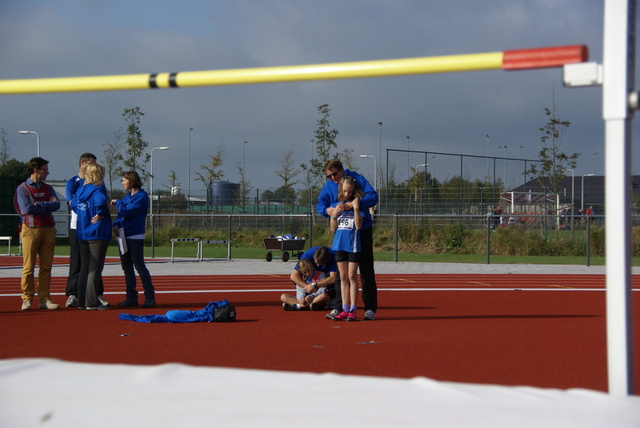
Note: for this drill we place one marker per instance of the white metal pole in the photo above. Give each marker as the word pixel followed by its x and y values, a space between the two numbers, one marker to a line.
pixel 618 76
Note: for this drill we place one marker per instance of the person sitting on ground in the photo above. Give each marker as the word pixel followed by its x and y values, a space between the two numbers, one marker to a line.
pixel 314 299
pixel 316 269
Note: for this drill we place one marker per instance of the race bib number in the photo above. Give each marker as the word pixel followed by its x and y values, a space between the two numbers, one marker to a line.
pixel 346 222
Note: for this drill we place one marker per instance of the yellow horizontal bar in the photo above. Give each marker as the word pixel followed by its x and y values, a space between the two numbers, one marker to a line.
pixel 347 70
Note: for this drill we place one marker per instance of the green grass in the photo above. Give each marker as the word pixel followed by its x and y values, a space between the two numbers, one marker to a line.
pixel 220 251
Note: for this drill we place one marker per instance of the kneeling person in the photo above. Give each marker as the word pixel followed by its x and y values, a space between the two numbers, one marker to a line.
pixel 314 276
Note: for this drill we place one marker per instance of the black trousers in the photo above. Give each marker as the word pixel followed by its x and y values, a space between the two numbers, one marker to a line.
pixel 92 255
pixel 367 274
pixel 74 264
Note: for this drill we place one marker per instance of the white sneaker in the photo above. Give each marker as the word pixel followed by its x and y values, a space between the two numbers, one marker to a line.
pixel 48 304
pixel 332 315
pixel 102 301
pixel 72 302
pixel 26 305
pixel 369 315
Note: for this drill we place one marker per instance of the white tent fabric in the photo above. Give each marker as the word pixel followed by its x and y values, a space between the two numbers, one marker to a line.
pixel 53 393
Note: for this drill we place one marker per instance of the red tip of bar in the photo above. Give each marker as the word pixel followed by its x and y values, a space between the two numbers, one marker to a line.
pixel 557 56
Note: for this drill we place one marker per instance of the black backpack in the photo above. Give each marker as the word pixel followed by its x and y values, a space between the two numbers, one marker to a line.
pixel 224 313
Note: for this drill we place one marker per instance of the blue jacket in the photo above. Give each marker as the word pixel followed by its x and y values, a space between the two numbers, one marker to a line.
pixel 70 189
pixel 179 316
pixel 329 195
pixel 132 213
pixel 330 266
pixel 89 201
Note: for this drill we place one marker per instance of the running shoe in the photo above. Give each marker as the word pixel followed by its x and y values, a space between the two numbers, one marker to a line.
pixel 100 307
pixel 26 305
pixel 48 304
pixel 72 302
pixel 332 315
pixel 341 316
pixel 102 301
pixel 352 317
pixel 289 307
pixel 369 315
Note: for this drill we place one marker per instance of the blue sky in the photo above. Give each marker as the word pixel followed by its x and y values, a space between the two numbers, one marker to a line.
pixel 441 113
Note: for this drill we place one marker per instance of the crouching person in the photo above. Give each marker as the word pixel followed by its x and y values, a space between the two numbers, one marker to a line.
pixel 314 277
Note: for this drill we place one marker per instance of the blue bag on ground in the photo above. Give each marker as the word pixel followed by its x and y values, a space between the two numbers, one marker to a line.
pixel 214 312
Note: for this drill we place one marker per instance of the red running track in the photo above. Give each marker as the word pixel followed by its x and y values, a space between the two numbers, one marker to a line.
pixel 509 329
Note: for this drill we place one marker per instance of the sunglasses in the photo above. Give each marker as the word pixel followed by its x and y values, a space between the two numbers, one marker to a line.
pixel 333 174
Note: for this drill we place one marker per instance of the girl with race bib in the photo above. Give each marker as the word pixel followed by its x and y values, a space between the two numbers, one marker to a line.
pixel 346 224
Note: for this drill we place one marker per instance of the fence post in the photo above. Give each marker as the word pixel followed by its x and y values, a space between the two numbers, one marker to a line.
pixel 229 235
pixel 488 237
pixel 588 241
pixel 395 237
pixel 153 234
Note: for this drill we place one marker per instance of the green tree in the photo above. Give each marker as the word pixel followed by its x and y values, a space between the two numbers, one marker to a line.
pixel 14 168
pixel 553 162
pixel 135 157
pixel 323 143
pixel 244 190
pixel 211 172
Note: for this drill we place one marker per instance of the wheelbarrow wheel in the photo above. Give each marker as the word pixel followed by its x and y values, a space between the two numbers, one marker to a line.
pixel 269 256
pixel 285 256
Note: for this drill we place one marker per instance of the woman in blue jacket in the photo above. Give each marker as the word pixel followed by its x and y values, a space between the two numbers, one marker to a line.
pixel 132 216
pixel 93 232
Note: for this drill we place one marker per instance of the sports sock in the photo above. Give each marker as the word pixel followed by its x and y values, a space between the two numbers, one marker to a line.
pixel 352 308
pixel 345 308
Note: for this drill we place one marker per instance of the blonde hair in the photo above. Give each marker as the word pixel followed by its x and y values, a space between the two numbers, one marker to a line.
pixel 94 174
pixel 350 181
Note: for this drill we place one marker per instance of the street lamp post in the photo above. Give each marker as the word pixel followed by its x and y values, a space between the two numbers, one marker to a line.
pixel 582 190
pixel 244 178
pixel 408 156
pixel 153 247
pixel 375 169
pixel 37 140
pixel 380 153
pixel 189 174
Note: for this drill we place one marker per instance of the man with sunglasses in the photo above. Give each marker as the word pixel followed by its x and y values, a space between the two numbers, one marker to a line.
pixel 329 195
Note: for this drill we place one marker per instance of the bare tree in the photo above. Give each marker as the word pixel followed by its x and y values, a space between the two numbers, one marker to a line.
pixel 5 153
pixel 287 173
pixel 113 158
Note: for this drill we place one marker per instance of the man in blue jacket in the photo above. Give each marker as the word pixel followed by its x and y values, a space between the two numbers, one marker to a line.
pixel 321 260
pixel 335 171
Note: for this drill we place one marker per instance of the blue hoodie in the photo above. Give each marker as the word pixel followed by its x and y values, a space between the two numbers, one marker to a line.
pixel 132 213
pixel 89 201
pixel 329 195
